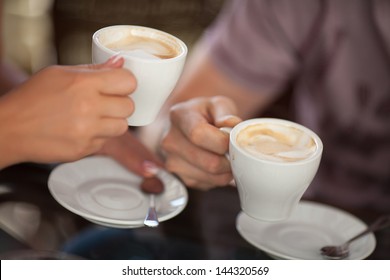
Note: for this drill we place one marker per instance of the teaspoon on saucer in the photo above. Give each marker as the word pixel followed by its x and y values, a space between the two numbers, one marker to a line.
pixel 342 251
pixel 151 219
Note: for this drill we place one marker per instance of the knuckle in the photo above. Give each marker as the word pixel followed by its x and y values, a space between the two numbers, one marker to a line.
pixel 196 133
pixel 127 78
pixel 80 130
pixel 187 181
pixel 84 106
pixel 191 183
pixel 80 149
pixel 96 146
pixel 171 166
pixel 167 145
pixel 122 127
pixel 86 148
pixel 84 103
pixel 79 78
pixel 132 80
pixel 219 98
pixel 129 106
pixel 214 164
pixel 90 146
pixel 223 180
pixel 175 113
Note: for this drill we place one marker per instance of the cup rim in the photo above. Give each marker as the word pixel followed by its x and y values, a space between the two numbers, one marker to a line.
pixel 317 153
pixel 182 45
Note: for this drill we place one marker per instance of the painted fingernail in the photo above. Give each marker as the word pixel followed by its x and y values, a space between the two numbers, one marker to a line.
pixel 113 60
pixel 150 167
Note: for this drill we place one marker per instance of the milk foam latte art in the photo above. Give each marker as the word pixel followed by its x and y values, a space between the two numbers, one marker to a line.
pixel 142 43
pixel 143 47
pixel 276 142
pixel 273 163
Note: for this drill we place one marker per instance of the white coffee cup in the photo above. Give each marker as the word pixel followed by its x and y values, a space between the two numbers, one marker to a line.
pixel 156 59
pixel 271 185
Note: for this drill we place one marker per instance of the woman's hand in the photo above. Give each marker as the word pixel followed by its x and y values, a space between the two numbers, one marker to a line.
pixel 64 113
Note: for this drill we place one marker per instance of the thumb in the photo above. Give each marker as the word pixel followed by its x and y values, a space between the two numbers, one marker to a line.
pixel 224 112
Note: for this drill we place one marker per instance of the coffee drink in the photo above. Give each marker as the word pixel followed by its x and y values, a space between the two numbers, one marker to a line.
pixel 276 142
pixel 156 59
pixel 135 42
pixel 273 162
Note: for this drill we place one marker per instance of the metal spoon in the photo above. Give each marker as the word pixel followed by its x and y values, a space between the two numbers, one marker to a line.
pixel 151 219
pixel 342 251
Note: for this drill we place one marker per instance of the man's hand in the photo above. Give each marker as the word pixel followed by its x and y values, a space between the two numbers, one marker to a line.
pixel 194 147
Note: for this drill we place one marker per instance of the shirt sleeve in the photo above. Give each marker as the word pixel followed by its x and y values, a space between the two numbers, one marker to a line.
pixel 256 42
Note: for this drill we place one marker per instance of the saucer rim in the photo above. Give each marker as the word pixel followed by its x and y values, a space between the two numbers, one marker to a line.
pixel 275 254
pixel 53 184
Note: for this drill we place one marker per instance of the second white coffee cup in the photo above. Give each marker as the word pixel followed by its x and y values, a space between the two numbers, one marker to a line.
pixel 271 178
pixel 156 59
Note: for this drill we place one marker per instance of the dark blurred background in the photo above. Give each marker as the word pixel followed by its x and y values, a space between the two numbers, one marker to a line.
pixel 42 32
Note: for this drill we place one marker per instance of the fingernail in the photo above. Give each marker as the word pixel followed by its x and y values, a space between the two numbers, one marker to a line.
pixel 231 118
pixel 228 120
pixel 113 60
pixel 116 58
pixel 150 167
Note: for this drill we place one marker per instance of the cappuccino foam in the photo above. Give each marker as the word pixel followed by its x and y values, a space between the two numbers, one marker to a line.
pixel 140 44
pixel 276 142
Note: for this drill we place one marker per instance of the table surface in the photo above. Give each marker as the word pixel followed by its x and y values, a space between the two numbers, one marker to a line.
pixel 204 230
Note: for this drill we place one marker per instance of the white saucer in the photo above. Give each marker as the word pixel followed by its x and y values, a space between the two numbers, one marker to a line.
pixel 311 226
pixel 113 225
pixel 104 192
